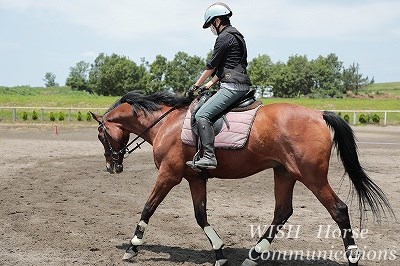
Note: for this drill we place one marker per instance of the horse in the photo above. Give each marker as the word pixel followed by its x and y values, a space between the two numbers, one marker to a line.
pixel 296 142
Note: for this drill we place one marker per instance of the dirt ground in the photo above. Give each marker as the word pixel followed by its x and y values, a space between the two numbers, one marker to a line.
pixel 60 207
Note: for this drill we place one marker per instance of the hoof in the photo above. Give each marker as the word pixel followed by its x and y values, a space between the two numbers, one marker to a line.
pixel 249 262
pixel 221 262
pixel 130 253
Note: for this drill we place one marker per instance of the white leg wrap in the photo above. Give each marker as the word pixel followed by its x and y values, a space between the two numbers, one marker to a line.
pixel 139 241
pixel 354 253
pixel 216 242
pixel 262 246
pixel 220 262
pixel 248 262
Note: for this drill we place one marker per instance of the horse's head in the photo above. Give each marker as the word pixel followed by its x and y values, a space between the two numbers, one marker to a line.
pixel 114 140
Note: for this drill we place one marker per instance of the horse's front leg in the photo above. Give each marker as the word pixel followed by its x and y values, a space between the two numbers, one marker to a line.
pixel 162 187
pixel 199 196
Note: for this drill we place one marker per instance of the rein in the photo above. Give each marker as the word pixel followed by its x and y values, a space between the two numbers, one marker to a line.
pixel 125 150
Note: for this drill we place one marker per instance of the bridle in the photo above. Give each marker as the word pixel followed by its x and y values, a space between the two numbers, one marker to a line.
pixel 125 151
pixel 115 155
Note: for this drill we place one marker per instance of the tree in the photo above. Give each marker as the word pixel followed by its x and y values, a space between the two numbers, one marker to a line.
pixel 327 74
pixel 293 79
pixel 50 80
pixel 260 71
pixel 183 71
pixel 157 73
pixel 78 78
pixel 352 80
pixel 94 73
pixel 117 75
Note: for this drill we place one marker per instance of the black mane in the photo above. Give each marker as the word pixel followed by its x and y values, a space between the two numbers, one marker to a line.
pixel 152 102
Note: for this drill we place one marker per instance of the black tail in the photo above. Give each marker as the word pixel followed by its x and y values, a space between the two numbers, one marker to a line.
pixel 369 194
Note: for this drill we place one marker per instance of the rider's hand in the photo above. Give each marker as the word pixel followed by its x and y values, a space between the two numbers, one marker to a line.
pixel 202 89
pixel 190 92
pixel 193 88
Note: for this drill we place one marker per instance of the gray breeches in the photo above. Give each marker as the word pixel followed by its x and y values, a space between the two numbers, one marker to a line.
pixel 219 102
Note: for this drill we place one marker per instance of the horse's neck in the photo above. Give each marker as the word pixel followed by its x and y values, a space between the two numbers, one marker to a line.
pixel 150 123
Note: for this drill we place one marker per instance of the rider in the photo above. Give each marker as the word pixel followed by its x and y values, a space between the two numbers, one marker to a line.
pixel 228 66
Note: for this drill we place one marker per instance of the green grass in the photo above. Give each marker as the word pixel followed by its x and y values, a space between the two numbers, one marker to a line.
pixel 386 97
pixel 354 104
pixel 390 88
pixel 64 97
pixel 56 98
pixel 340 104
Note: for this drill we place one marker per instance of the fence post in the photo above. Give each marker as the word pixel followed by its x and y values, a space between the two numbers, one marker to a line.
pixel 354 118
pixel 14 114
pixel 385 120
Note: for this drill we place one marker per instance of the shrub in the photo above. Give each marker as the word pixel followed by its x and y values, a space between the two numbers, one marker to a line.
pixel 88 117
pixel 79 116
pixel 52 117
pixel 376 119
pixel 346 118
pixel 25 116
pixel 61 116
pixel 35 116
pixel 363 119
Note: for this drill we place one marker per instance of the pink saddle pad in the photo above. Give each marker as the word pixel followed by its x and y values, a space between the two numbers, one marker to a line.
pixel 234 137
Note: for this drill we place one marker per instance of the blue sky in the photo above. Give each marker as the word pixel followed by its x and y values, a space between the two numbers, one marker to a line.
pixel 39 36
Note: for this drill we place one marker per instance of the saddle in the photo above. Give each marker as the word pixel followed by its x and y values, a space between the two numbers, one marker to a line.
pixel 231 128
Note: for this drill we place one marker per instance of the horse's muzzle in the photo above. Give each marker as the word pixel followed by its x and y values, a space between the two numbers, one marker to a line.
pixel 114 168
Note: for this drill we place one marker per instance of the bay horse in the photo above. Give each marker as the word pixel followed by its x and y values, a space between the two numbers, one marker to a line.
pixel 293 140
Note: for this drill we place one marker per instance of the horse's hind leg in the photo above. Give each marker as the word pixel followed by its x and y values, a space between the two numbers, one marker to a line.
pixel 339 212
pixel 284 183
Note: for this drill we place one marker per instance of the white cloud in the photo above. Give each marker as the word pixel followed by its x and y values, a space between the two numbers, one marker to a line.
pixel 135 19
pixel 336 20
pixel 364 31
pixel 122 19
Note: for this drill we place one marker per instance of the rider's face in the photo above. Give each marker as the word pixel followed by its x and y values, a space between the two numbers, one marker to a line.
pixel 214 26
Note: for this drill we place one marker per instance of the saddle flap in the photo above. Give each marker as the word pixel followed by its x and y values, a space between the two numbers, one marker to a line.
pixel 234 137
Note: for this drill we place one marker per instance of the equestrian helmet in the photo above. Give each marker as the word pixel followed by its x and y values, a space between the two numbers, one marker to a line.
pixel 214 11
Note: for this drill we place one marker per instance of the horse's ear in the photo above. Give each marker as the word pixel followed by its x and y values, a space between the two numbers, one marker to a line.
pixel 96 117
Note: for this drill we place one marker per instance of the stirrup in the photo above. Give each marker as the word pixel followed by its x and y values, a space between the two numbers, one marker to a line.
pixel 192 165
pixel 206 166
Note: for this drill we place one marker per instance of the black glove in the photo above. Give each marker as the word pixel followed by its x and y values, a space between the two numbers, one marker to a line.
pixel 202 89
pixel 193 88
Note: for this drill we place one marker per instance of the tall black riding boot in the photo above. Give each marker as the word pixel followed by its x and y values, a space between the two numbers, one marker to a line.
pixel 207 136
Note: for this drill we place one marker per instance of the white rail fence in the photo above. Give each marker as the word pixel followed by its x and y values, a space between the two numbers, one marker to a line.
pixel 71 112
pixel 42 112
pixel 356 113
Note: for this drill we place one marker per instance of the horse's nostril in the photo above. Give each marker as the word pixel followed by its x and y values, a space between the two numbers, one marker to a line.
pixel 119 168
